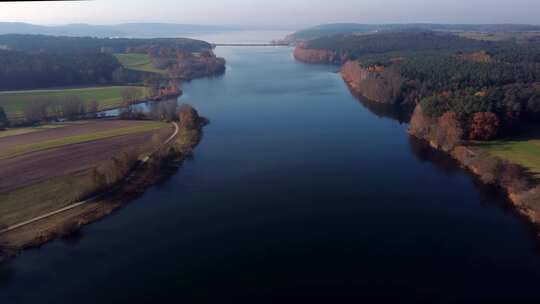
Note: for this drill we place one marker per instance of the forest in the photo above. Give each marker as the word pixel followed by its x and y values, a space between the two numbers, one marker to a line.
pixel 22 71
pixel 37 61
pixel 326 30
pixel 491 84
pixel 64 44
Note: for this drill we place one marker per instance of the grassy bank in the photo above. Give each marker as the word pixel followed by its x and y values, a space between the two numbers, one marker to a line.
pixel 525 152
pixel 59 142
pixel 138 62
pixel 107 97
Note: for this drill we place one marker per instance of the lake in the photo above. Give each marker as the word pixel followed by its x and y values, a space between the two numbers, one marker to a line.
pixel 298 191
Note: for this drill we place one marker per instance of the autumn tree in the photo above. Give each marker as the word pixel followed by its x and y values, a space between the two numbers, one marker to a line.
pixel 421 124
pixel 449 131
pixel 4 121
pixel 485 126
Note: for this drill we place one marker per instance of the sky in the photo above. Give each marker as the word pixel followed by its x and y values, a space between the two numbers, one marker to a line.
pixel 273 13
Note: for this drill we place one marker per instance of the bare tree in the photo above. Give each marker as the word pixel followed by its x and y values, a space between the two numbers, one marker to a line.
pixel 37 110
pixel 72 107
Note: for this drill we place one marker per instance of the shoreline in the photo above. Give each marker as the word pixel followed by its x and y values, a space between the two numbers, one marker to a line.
pixel 522 200
pixel 163 163
pixel 462 154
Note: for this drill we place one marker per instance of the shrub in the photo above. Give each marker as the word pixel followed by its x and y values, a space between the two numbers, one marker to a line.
pixel 69 228
pixel 531 199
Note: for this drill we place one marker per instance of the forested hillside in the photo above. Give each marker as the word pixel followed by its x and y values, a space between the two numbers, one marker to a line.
pixel 19 71
pixel 326 30
pixel 493 84
pixel 37 62
pixel 64 44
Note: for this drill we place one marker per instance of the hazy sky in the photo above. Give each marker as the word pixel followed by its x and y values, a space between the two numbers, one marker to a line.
pixel 294 13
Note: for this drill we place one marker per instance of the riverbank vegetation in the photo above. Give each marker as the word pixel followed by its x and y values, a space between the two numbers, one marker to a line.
pixel 492 88
pixel 93 74
pixel 492 31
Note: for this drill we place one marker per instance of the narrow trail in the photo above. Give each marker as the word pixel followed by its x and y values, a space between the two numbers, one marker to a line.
pixel 76 205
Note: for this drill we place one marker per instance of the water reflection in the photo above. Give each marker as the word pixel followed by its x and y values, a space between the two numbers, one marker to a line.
pixel 489 195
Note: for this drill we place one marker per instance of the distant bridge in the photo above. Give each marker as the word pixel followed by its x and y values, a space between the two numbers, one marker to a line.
pixel 249 44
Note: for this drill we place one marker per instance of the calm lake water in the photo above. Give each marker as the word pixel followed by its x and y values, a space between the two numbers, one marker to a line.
pixel 298 191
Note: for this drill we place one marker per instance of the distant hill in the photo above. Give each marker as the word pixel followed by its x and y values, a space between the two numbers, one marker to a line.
pixel 126 30
pixel 66 44
pixel 355 28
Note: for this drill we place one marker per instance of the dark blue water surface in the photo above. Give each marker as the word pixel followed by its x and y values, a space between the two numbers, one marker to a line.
pixel 297 192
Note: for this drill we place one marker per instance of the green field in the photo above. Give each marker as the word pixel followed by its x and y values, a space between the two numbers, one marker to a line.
pixel 59 142
pixel 107 97
pixel 523 150
pixel 138 62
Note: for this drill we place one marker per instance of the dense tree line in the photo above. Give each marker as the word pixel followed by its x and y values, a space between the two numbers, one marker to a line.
pixel 397 43
pixel 184 65
pixel 70 107
pixel 19 71
pixel 25 71
pixel 61 44
pixel 356 28
pixel 479 89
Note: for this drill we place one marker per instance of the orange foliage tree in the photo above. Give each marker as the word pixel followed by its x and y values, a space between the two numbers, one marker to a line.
pixel 485 126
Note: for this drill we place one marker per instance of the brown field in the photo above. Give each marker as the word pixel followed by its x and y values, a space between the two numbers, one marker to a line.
pixel 50 169
pixel 71 129
pixel 35 167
